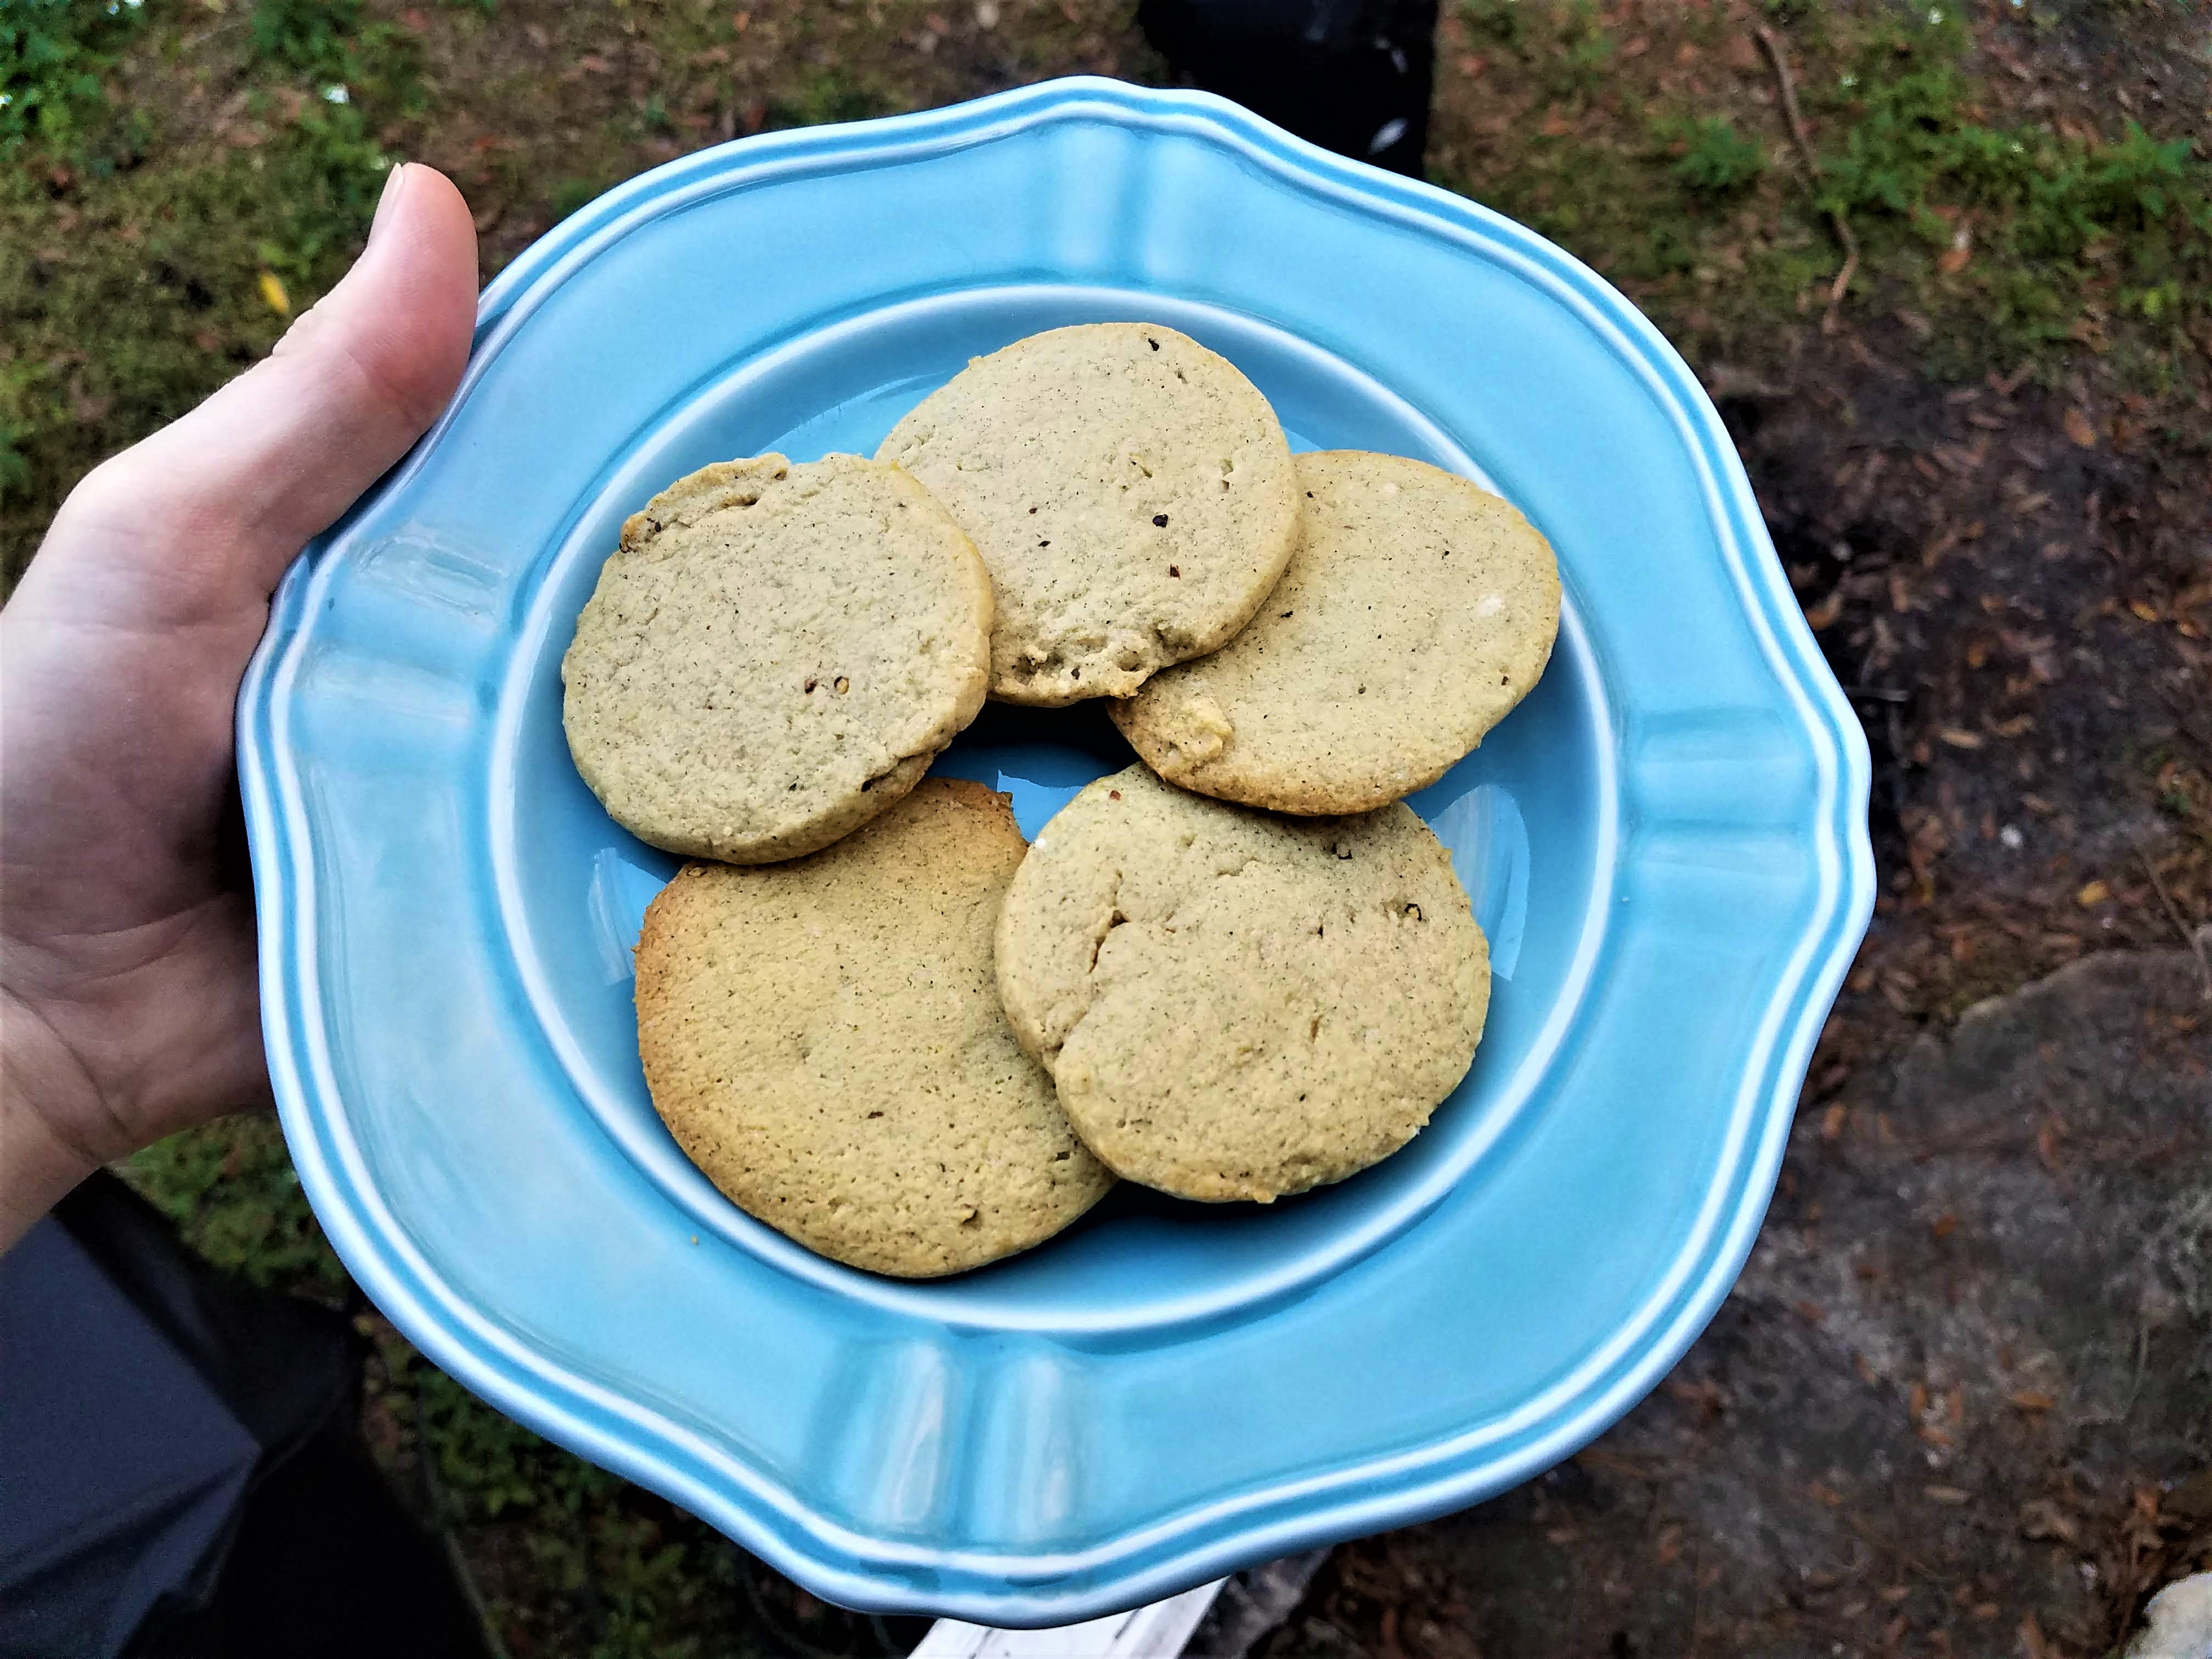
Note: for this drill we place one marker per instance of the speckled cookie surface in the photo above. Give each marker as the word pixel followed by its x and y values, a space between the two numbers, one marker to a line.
pixel 1130 492
pixel 774 655
pixel 1418 609
pixel 824 1040
pixel 1235 1005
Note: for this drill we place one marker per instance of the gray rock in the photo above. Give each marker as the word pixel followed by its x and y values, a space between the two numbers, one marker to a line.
pixel 2177 1624
pixel 1972 1349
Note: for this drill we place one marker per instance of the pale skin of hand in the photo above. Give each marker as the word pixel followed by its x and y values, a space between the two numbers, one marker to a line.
pixel 129 1007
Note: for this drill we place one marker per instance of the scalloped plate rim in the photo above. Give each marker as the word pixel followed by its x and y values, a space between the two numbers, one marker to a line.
pixel 1203 1540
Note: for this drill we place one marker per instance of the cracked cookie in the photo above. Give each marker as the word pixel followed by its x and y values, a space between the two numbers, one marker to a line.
pixel 1235 1005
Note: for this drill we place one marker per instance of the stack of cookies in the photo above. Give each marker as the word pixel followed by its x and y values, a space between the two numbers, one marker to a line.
pixel 1236 970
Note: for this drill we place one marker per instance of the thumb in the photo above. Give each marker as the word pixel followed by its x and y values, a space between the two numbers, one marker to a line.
pixel 219 502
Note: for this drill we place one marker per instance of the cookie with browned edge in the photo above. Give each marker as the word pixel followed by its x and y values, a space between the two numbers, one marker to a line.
pixel 824 1038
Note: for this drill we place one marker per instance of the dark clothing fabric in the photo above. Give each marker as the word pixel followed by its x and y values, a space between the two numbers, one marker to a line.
pixel 1352 76
pixel 179 1470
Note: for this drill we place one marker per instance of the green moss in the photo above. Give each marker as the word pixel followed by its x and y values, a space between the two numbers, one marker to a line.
pixel 231 1190
pixel 1592 199
pixel 571 194
pixel 1504 22
pixel 1563 42
pixel 1715 161
pixel 162 268
pixel 1649 213
pixel 314 35
pixel 1584 51
pixel 2056 231
pixel 2022 243
pixel 179 313
pixel 55 58
pixel 826 95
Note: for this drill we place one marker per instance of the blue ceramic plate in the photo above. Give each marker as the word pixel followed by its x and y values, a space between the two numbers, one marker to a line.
pixel 1664 844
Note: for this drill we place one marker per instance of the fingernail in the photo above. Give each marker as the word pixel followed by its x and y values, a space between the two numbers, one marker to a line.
pixel 391 193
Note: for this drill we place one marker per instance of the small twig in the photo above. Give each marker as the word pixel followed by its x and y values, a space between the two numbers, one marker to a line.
pixel 207 34
pixel 1893 727
pixel 1878 694
pixel 2180 923
pixel 1627 1467
pixel 2151 1157
pixel 772 1623
pixel 1843 277
pixel 1849 243
pixel 1772 42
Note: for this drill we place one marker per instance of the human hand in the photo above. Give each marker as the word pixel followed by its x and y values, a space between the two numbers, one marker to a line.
pixel 128 1007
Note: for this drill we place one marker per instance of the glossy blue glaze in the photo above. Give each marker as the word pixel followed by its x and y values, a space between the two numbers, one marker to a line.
pixel 1665 844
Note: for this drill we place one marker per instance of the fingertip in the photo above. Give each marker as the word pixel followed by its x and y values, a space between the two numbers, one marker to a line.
pixel 412 294
pixel 395 185
pixel 274 457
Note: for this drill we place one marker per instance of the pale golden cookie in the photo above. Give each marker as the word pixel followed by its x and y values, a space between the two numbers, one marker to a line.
pixel 775 653
pixel 1417 611
pixel 1130 492
pixel 823 1039
pixel 1239 1006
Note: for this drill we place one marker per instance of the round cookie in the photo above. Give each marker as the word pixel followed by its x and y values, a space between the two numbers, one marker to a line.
pixel 823 1039
pixel 1417 610
pixel 774 655
pixel 1235 1006
pixel 1130 492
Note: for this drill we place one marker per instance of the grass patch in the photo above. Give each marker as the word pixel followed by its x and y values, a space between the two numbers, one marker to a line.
pixel 232 1192
pixel 2027 239
pixel 184 265
pixel 99 350
pixel 55 58
pixel 1500 22
pixel 571 195
pixel 1649 202
pixel 2048 236
pixel 828 95
pixel 1577 69
pixel 1717 161
pixel 1564 43
pixel 329 75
